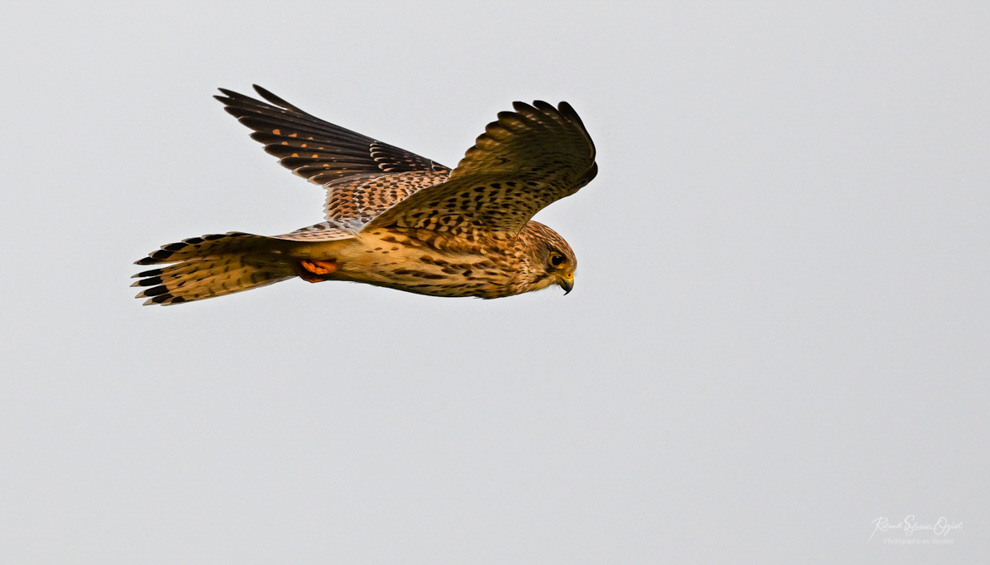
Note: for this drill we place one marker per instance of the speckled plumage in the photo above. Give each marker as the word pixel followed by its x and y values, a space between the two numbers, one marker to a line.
pixel 396 219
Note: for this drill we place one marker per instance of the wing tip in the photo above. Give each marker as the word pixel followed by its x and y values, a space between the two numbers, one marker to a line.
pixel 165 299
pixel 270 97
pixel 568 112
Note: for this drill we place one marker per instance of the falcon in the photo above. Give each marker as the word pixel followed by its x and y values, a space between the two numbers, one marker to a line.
pixel 396 219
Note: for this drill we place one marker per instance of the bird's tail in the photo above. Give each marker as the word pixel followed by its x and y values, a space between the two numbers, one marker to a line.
pixel 214 265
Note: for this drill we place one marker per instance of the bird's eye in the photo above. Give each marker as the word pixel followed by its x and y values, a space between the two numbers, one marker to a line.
pixel 556 259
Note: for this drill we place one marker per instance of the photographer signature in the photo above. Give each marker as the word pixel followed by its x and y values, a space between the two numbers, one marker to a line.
pixel 909 525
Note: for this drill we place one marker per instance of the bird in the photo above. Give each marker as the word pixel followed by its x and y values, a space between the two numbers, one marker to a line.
pixel 395 219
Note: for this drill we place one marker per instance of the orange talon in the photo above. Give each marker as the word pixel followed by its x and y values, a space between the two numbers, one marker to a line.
pixel 316 271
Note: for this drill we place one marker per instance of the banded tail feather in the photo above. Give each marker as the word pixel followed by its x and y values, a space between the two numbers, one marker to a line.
pixel 214 265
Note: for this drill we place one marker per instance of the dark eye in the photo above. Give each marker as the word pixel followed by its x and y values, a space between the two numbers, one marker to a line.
pixel 556 259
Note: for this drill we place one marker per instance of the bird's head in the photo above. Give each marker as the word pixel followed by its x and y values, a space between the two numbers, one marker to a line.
pixel 551 259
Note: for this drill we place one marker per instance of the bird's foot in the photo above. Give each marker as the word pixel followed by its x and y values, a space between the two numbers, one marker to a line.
pixel 316 271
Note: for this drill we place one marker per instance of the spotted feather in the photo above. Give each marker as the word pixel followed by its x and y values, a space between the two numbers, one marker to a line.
pixel 523 162
pixel 363 176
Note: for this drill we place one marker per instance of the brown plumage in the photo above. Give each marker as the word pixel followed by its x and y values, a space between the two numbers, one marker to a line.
pixel 396 219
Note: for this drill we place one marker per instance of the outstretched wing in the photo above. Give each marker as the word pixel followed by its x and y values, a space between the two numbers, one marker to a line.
pixel 352 167
pixel 523 162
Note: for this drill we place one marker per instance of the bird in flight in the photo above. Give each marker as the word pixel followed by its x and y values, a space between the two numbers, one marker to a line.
pixel 393 218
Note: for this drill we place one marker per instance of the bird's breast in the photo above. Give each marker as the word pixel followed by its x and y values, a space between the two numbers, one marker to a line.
pixel 428 263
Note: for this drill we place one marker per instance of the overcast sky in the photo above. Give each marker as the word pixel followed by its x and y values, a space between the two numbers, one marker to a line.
pixel 778 333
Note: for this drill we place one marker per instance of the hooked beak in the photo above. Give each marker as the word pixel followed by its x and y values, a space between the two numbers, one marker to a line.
pixel 567 283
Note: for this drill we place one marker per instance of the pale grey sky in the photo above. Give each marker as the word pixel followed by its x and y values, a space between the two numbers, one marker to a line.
pixel 778 333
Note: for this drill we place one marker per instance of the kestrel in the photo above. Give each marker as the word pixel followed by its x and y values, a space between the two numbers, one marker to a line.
pixel 396 219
